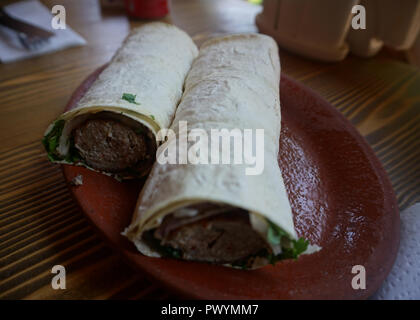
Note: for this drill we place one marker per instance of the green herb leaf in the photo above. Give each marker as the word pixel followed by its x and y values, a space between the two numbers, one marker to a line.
pixel 152 116
pixel 129 97
pixel 273 237
pixel 51 140
pixel 291 249
pixel 298 247
pixel 53 143
pixel 275 233
pixel 172 252
pixel 73 155
pixel 51 157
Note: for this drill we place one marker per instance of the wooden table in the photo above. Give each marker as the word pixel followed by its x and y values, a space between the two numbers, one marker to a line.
pixel 41 226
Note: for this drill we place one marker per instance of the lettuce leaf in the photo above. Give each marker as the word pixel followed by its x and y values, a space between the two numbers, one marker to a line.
pixel 51 140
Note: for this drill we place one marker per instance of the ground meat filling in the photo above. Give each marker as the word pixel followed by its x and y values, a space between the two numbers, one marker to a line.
pixel 222 238
pixel 109 146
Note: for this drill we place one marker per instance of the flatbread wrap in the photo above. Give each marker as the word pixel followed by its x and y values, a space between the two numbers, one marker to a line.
pixel 113 127
pixel 217 213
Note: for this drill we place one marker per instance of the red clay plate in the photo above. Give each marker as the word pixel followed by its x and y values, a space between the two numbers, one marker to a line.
pixel 341 198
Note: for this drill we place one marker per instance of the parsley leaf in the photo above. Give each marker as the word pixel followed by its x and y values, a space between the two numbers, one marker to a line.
pixel 298 247
pixel 129 97
pixel 275 233
pixel 73 155
pixel 152 116
pixel 291 248
pixel 52 139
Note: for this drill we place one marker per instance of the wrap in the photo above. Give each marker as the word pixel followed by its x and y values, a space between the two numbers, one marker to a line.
pixel 217 213
pixel 113 127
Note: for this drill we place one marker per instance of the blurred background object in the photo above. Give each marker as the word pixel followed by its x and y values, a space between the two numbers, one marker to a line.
pixel 112 3
pixel 30 36
pixel 413 54
pixel 147 9
pixel 322 29
pixel 20 33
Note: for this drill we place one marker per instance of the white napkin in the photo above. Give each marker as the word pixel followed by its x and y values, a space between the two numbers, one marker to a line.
pixel 37 14
pixel 403 283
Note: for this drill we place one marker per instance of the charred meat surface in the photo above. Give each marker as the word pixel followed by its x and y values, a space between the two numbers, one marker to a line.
pixel 218 238
pixel 109 146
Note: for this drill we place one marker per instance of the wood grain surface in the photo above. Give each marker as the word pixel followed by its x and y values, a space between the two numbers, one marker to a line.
pixel 41 226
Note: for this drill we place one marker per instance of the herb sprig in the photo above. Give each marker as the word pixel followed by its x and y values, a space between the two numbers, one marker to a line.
pixel 291 248
pixel 130 98
pixel 51 140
